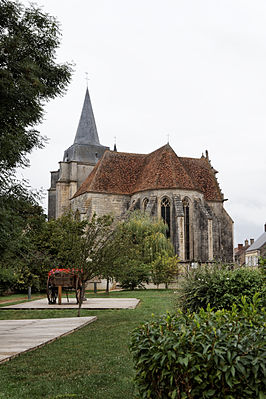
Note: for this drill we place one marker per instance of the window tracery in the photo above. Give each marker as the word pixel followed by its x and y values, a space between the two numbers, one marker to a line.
pixel 186 228
pixel 145 204
pixel 166 214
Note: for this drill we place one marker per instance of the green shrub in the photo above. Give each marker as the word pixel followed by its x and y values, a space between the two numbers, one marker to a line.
pixel 219 287
pixel 262 265
pixel 207 355
pixel 134 275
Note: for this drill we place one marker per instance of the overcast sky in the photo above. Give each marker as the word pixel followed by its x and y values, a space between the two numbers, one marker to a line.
pixel 193 69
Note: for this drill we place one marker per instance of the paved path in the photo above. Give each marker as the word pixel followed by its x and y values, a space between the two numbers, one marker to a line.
pixel 90 303
pixel 17 336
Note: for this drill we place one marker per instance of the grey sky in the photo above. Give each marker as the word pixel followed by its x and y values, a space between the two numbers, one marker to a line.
pixel 194 69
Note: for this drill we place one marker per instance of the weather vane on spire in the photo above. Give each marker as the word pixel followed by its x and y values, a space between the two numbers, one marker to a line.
pixel 168 138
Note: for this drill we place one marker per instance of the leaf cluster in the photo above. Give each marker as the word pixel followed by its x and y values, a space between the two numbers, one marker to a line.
pixel 21 220
pixel 29 76
pixel 206 355
pixel 219 286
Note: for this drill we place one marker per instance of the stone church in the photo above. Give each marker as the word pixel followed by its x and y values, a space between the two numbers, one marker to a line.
pixel 183 191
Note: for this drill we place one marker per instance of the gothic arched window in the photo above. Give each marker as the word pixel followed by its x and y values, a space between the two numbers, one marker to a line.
pixel 186 228
pixel 145 204
pixel 77 215
pixel 166 214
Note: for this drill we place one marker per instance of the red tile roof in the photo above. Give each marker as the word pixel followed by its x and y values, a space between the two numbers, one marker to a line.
pixel 125 173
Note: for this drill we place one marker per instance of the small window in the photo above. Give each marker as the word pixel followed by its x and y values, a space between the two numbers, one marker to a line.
pixel 77 215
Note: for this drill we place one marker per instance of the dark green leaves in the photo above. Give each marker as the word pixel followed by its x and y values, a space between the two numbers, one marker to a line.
pixel 207 355
pixel 29 76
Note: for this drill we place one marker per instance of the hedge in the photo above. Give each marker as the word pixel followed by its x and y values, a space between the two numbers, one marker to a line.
pixel 220 287
pixel 206 355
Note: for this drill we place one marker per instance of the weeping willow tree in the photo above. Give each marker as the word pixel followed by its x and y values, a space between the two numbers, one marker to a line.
pixel 145 253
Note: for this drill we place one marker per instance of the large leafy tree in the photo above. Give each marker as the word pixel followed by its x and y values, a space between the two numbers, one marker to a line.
pixel 144 252
pixel 29 76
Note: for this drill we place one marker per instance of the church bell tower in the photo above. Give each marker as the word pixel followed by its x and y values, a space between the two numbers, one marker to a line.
pixel 78 161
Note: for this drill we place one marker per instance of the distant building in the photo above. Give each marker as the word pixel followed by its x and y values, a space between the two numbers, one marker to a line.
pixel 184 192
pixel 256 250
pixel 240 252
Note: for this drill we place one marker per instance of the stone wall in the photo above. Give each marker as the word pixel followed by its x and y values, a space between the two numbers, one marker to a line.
pixel 52 195
pixel 64 184
pixel 101 204
pixel 210 227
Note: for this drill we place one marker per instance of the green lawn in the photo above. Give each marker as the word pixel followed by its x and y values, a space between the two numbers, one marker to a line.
pixel 93 362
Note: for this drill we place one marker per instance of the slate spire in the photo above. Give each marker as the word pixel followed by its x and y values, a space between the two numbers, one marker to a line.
pixel 86 147
pixel 87 130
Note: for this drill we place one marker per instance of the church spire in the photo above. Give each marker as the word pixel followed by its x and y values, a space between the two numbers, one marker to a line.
pixel 87 130
pixel 86 147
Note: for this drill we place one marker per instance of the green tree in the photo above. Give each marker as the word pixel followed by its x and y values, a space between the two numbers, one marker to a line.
pixel 141 241
pixel 21 218
pixel 29 76
pixel 71 243
pixel 164 269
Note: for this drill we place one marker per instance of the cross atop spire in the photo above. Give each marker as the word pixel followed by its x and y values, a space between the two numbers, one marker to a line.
pixel 87 130
pixel 87 78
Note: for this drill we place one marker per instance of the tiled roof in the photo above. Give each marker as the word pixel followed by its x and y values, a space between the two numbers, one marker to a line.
pixel 204 175
pixel 125 173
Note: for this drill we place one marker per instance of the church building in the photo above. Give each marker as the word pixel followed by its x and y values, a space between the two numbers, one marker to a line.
pixel 183 191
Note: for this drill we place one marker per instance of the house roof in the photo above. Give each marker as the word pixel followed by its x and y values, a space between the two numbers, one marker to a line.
pixel 258 243
pixel 125 173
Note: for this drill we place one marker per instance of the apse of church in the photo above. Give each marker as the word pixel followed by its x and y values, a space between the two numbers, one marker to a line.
pixel 183 191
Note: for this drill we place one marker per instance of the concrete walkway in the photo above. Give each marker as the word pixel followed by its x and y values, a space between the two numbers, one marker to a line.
pixel 90 303
pixel 17 336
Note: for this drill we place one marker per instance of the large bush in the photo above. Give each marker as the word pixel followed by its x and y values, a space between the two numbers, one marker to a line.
pixel 207 355
pixel 220 287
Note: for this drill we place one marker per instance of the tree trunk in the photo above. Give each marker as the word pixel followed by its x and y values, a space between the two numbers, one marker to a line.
pixel 81 298
pixel 107 284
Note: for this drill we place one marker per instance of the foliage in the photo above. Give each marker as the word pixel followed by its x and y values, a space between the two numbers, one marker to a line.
pixel 220 287
pixel 164 269
pixel 262 265
pixel 134 274
pixel 7 279
pixel 142 242
pixel 207 355
pixel 69 242
pixel 29 76
pixel 21 219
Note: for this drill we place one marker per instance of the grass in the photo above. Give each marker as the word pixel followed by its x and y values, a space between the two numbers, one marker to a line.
pixel 94 362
